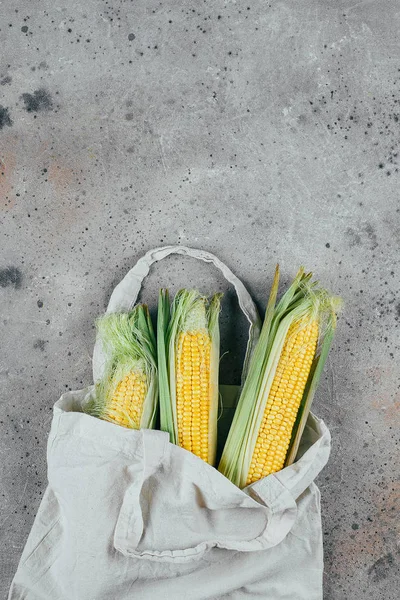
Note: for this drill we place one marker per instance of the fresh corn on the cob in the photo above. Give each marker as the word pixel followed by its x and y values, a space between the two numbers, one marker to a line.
pixel 283 374
pixel 188 359
pixel 128 393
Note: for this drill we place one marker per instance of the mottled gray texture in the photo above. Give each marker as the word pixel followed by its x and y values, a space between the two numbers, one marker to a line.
pixel 259 131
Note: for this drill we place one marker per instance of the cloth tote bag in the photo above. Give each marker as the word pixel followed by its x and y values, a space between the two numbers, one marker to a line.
pixel 128 515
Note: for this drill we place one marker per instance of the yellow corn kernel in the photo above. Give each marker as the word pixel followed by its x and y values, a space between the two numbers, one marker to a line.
pixel 284 400
pixel 126 405
pixel 192 364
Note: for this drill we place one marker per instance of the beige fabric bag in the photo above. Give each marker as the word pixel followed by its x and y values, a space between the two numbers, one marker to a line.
pixel 128 515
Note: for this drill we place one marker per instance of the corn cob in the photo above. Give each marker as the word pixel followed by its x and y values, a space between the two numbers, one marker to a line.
pixel 188 358
pixel 283 374
pixel 127 395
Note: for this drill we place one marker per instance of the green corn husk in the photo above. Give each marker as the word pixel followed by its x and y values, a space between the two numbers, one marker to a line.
pixel 192 314
pixel 304 300
pixel 129 345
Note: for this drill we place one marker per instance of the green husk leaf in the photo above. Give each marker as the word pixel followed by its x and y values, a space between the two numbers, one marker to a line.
pixel 213 329
pixel 163 318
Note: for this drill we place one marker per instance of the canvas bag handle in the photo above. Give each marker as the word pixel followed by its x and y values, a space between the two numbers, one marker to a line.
pixel 126 293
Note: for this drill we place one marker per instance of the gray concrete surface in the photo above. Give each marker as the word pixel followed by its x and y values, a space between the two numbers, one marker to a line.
pixel 261 131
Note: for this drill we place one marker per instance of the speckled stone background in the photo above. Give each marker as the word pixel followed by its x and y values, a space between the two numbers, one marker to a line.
pixel 261 131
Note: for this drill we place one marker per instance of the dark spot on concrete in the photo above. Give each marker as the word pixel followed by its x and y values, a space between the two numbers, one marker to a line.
pixel 370 231
pixel 130 149
pixel 327 245
pixel 10 276
pixel 5 118
pixel 24 29
pixel 355 526
pixel 43 65
pixel 357 237
pixel 382 567
pixel 129 117
pixel 381 165
pixel 40 303
pixel 131 37
pixel 5 80
pixel 354 237
pixel 147 128
pixel 40 345
pixel 39 101
pixel 398 309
